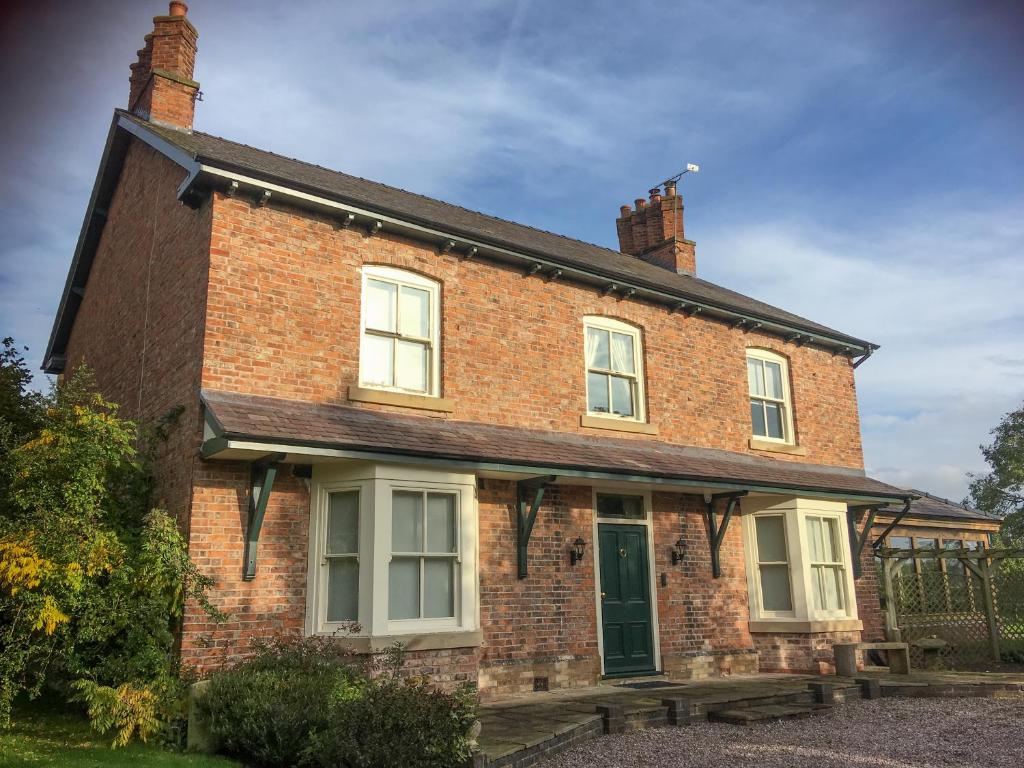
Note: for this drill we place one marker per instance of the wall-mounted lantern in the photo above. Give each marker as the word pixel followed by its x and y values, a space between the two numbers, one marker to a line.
pixel 576 553
pixel 678 551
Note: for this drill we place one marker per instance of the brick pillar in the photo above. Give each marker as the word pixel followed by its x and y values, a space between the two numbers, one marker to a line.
pixel 161 86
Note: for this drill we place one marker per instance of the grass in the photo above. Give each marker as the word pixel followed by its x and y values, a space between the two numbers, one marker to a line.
pixel 44 735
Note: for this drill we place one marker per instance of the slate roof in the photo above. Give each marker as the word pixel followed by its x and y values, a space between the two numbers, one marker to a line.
pixel 417 209
pixel 929 506
pixel 297 423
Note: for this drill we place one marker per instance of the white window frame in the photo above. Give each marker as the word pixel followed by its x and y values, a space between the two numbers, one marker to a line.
pixel 399 278
pixel 376 483
pixel 639 400
pixel 402 626
pixel 319 560
pixel 786 402
pixel 758 562
pixel 796 511
pixel 814 566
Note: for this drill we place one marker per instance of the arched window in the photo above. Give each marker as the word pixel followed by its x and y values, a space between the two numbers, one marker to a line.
pixel 614 363
pixel 400 332
pixel 771 409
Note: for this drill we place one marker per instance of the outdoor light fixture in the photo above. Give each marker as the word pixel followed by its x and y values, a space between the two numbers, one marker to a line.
pixel 576 553
pixel 678 551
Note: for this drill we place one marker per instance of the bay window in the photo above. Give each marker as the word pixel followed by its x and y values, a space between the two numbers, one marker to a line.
pixel 798 565
pixel 400 330
pixel 614 369
pixel 392 552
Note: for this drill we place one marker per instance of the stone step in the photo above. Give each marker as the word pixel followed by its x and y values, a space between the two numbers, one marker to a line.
pixel 765 712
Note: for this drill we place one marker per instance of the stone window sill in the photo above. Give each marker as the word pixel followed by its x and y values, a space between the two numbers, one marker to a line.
pixel 806 627
pixel 417 642
pixel 770 447
pixel 383 397
pixel 617 425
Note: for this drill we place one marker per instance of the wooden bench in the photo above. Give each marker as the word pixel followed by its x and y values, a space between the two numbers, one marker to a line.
pixel 898 655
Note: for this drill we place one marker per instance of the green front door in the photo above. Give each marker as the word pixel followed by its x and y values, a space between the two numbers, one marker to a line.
pixel 625 600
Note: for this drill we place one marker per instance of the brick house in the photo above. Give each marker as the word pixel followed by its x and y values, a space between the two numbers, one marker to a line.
pixel 532 460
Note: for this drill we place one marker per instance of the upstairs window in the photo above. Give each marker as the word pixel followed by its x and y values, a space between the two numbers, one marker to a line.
pixel 401 318
pixel 771 413
pixel 614 375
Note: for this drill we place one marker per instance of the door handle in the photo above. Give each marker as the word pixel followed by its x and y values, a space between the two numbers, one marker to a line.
pixel 602 595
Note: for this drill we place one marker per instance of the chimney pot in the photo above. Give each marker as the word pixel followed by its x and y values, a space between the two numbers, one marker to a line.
pixel 624 211
pixel 640 203
pixel 670 189
pixel 655 195
pixel 177 8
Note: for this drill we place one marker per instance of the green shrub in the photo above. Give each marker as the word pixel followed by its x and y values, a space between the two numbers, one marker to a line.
pixel 397 723
pixel 265 709
pixel 313 702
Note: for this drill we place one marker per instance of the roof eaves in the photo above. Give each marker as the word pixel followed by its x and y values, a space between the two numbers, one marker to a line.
pixel 441 232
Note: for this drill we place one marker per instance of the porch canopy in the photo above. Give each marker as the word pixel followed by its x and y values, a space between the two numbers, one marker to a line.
pixel 268 431
pixel 248 428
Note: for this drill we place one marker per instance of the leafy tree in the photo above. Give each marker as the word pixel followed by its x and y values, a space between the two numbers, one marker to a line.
pixel 1001 491
pixel 21 409
pixel 92 582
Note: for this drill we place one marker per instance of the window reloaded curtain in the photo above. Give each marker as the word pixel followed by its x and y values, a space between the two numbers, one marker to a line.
pixel 622 353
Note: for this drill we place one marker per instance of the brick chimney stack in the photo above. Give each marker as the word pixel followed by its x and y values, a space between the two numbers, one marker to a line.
pixel 653 231
pixel 162 89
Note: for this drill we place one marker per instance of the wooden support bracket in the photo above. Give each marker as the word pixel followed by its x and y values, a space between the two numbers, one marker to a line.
pixel 859 539
pixel 529 495
pixel 716 532
pixel 263 474
pixel 895 521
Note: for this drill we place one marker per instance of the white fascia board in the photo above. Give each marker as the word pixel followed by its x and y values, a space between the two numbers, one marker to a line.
pixel 164 147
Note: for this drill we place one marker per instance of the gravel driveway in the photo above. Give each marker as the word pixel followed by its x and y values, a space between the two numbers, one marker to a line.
pixel 882 733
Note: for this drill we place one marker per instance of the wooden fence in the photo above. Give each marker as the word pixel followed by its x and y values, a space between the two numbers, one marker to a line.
pixel 958 608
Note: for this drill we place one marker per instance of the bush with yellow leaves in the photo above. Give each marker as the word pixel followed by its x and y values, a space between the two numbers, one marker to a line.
pixel 92 582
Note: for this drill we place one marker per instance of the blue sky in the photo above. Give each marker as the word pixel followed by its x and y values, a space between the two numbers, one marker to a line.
pixel 861 163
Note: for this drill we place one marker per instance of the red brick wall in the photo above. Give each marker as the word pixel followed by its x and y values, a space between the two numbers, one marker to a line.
pixel 274 602
pixel 698 612
pixel 807 653
pixel 140 325
pixel 869 608
pixel 280 316
pixel 541 626
pixel 283 321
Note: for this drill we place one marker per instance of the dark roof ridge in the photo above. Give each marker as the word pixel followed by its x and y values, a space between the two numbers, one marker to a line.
pixel 397 189
pixel 943 499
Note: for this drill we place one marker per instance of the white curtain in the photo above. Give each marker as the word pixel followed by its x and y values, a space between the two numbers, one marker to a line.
pixel 622 353
pixel 593 340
